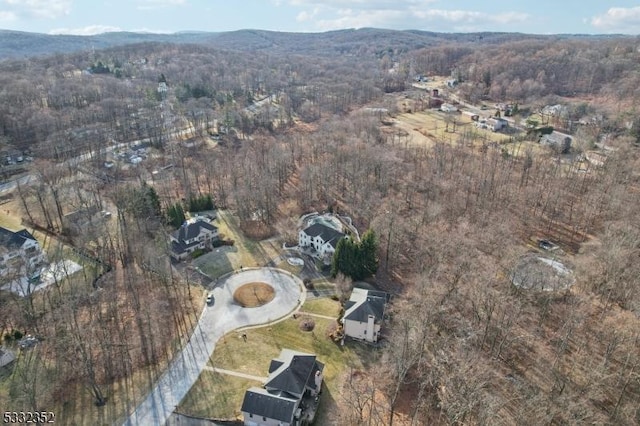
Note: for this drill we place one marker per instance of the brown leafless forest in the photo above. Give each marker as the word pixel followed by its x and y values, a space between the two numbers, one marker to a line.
pixel 464 346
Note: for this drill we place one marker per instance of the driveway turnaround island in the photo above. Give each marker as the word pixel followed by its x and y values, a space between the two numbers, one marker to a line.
pixel 217 320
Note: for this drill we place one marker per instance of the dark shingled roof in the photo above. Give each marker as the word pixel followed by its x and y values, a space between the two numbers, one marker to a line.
pixel 364 303
pixel 289 376
pixel 14 240
pixel 260 402
pixel 189 231
pixel 295 371
pixel 328 234
pixel 181 247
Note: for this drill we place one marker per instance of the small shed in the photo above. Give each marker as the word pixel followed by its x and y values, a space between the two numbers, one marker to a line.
pixel 6 357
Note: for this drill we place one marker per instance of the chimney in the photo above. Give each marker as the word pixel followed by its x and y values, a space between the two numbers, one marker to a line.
pixel 318 382
pixel 370 336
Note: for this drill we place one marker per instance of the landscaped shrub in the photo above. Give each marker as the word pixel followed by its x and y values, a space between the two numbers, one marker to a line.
pixel 308 284
pixel 307 324
pixel 197 253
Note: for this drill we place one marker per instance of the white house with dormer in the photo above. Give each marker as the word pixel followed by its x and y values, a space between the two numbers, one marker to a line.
pixel 20 254
pixel 364 313
pixel 321 239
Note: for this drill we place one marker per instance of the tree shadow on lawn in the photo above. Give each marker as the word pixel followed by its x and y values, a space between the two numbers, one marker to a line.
pixel 217 262
pixel 327 408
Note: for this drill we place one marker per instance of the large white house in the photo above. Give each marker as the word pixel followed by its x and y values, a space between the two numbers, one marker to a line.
pixel 20 254
pixel 321 239
pixel 289 396
pixel 192 235
pixel 364 313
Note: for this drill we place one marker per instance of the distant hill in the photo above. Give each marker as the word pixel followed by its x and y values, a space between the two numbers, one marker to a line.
pixel 17 44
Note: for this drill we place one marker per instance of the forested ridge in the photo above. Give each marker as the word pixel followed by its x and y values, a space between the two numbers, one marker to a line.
pixel 274 136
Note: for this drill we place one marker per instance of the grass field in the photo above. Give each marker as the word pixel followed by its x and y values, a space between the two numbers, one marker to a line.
pixel 323 306
pixel 426 127
pixel 245 252
pixel 254 355
pixel 216 396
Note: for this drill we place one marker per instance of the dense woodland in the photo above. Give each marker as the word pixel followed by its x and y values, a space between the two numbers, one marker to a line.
pixel 465 345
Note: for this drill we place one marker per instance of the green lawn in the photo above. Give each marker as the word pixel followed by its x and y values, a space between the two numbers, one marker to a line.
pixel 254 356
pixel 216 396
pixel 323 306
pixel 245 251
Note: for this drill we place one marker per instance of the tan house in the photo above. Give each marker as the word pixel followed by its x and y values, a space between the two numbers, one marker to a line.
pixel 364 313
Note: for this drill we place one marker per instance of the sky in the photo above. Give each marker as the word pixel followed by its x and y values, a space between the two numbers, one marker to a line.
pixel 86 17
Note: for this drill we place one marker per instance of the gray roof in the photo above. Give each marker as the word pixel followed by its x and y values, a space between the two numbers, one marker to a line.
pixel 179 247
pixel 260 402
pixel 328 234
pixel 363 303
pixel 554 138
pixel 292 372
pixel 14 240
pixel 189 231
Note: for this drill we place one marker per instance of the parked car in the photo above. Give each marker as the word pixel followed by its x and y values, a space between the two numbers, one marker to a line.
pixel 210 300
pixel 27 342
pixel 547 245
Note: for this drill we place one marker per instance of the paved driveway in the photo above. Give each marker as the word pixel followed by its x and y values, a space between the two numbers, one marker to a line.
pixel 224 316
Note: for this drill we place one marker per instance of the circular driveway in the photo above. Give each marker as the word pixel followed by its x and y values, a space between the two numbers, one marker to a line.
pixel 288 295
pixel 224 316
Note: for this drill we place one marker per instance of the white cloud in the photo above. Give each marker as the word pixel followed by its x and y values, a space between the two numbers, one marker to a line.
pixel 349 18
pixel 47 9
pixel 158 4
pixel 363 4
pixel 6 16
pixel 469 17
pixel 619 20
pixel 88 30
pixel 400 14
pixel 151 31
pixel 307 16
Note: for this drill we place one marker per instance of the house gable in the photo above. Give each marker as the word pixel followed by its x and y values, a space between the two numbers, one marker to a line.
pixel 294 374
pixel 191 236
pixel 19 245
pixel 364 313
pixel 12 241
pixel 260 403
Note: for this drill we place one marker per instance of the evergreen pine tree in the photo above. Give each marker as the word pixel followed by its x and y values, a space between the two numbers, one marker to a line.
pixel 336 261
pixel 369 248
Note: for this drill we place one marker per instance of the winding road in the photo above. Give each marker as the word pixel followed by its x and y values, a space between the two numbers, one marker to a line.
pixel 217 320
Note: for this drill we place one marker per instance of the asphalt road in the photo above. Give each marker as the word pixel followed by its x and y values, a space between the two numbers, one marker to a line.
pixel 217 320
